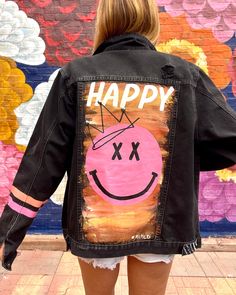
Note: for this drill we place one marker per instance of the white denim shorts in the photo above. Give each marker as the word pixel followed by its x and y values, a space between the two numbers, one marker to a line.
pixel 111 263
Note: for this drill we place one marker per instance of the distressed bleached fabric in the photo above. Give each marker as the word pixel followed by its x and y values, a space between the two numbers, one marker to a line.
pixel 111 263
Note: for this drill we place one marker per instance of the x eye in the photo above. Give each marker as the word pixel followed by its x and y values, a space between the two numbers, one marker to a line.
pixel 117 151
pixel 134 153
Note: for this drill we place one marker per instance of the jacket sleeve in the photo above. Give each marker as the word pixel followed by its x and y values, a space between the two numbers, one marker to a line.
pixel 42 167
pixel 216 127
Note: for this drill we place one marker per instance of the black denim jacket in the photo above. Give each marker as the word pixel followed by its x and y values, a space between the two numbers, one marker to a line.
pixel 132 127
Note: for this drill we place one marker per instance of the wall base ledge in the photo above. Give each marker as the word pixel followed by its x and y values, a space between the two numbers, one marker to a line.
pixel 57 243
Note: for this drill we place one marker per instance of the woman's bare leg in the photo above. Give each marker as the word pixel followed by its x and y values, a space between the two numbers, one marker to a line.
pixel 98 281
pixel 147 278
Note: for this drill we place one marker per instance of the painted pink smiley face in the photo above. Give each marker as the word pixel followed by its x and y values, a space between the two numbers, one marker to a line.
pixel 124 164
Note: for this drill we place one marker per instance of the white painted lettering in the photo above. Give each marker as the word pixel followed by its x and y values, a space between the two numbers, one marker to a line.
pixel 165 96
pixel 92 94
pixel 145 98
pixel 112 94
pixel 118 96
pixel 127 96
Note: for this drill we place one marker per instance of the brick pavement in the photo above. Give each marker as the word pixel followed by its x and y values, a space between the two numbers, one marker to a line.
pixel 39 272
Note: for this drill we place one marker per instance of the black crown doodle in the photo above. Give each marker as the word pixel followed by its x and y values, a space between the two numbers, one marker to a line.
pixel 108 137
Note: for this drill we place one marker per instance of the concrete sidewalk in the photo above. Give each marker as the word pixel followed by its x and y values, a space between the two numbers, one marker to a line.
pixel 39 272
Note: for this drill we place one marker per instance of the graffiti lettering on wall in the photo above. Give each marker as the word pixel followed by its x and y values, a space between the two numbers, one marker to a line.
pixel 38 37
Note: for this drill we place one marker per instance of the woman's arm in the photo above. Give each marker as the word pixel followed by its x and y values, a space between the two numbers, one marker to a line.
pixel 42 168
pixel 216 140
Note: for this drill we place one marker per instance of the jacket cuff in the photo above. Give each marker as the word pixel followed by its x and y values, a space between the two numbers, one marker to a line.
pixel 7 259
pixel 13 228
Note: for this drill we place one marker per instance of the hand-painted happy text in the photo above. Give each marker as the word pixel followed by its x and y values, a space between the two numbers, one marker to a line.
pixel 119 97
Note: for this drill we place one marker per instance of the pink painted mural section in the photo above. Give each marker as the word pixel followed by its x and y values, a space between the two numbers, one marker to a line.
pixel 217 198
pixel 219 16
pixel 10 159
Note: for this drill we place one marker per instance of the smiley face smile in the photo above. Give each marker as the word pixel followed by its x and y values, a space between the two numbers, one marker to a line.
pixel 122 198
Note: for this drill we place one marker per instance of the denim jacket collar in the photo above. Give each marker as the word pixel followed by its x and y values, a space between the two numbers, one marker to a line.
pixel 127 41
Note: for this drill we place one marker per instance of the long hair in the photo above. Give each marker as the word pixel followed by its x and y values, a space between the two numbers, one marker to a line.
pixel 116 17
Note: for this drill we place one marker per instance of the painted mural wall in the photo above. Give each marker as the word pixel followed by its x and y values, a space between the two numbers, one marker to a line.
pixel 37 37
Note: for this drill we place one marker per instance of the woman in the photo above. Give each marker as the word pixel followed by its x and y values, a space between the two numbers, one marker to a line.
pixel 132 128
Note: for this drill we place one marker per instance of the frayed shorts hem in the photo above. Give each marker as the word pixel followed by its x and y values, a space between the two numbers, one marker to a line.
pixel 111 263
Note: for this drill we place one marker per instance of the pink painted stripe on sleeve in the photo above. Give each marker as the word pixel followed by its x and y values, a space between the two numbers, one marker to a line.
pixel 20 209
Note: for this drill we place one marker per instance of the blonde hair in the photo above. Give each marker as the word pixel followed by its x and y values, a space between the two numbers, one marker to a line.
pixel 116 17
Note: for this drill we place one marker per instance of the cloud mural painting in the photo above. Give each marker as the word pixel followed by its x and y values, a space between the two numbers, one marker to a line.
pixel 67 35
pixel 219 16
pixel 14 91
pixel 227 175
pixel 216 198
pixel 197 46
pixel 19 35
pixel 27 113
